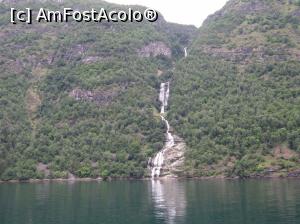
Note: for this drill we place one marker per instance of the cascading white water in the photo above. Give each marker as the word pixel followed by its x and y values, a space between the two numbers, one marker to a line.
pixel 164 96
pixel 159 158
pixel 185 52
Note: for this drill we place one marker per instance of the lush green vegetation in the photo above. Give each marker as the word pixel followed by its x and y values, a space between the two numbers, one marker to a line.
pixel 41 64
pixel 237 97
pixel 235 100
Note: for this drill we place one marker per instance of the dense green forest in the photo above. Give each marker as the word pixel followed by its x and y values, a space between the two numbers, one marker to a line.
pixel 82 98
pixel 112 132
pixel 236 98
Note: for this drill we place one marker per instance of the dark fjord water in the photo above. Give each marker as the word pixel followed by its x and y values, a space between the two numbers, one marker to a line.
pixel 151 202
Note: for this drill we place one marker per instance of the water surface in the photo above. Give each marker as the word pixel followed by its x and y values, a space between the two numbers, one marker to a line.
pixel 151 202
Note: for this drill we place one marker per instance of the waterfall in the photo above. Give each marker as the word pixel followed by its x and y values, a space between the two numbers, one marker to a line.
pixel 185 52
pixel 159 158
pixel 164 96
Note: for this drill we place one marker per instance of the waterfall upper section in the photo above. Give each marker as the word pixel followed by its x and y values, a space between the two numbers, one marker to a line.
pixel 185 52
pixel 164 96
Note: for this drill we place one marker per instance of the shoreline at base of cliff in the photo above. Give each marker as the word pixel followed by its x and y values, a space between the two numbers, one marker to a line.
pixel 144 179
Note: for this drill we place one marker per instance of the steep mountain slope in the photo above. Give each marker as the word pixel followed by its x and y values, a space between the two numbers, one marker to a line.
pixel 236 97
pixel 81 98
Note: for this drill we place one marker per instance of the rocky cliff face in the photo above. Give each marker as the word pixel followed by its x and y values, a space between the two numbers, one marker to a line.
pixel 101 98
pixel 235 97
pixel 155 49
pixel 174 159
pixel 247 31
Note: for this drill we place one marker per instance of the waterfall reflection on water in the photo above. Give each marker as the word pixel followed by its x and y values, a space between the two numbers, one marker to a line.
pixel 169 200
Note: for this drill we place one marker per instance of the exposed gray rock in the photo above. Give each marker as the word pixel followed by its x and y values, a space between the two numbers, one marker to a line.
pixel 295 173
pixel 242 55
pixel 91 59
pixel 253 7
pixel 43 168
pixel 75 51
pixel 100 97
pixel 243 8
pixel 296 13
pixel 155 49
pixel 71 176
pixel 174 159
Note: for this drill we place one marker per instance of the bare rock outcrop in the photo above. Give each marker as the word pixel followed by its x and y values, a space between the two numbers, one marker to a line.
pixel 44 169
pixel 155 49
pixel 76 51
pixel 285 153
pixel 91 59
pixel 174 159
pixel 243 7
pixel 100 97
pixel 245 55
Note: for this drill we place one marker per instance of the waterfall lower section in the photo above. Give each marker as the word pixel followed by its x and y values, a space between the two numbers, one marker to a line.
pixel 168 161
